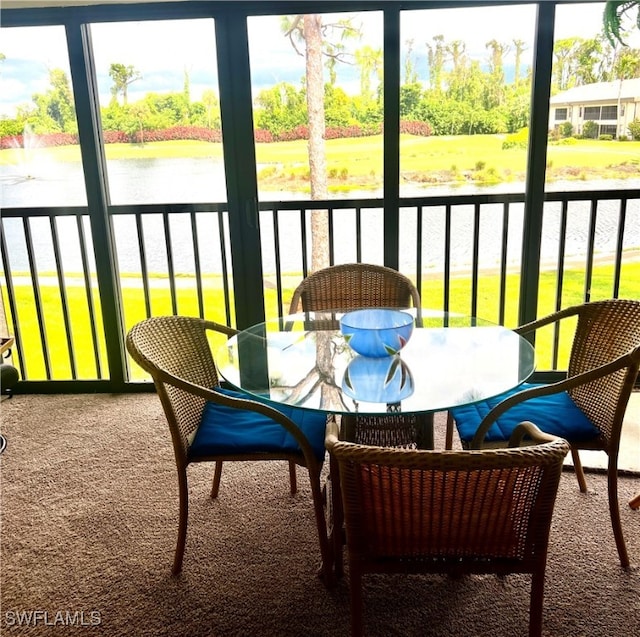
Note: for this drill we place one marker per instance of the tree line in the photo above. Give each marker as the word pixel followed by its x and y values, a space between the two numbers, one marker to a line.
pixel 453 95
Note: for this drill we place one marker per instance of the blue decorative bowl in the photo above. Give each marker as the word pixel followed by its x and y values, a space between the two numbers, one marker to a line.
pixel 378 380
pixel 376 332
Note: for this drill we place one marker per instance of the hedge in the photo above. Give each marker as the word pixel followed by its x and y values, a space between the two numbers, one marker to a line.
pixel 201 133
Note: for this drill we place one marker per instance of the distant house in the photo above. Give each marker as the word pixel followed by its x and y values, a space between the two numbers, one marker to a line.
pixel 598 103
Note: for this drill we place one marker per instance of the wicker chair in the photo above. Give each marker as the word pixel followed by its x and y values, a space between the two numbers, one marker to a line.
pixel 210 423
pixel 587 408
pixel 352 286
pixel 451 512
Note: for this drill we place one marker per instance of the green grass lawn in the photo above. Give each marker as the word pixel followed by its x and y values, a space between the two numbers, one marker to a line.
pixel 357 162
pixel 432 296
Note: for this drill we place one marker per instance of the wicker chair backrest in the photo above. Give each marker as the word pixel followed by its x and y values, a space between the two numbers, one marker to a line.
pixel 176 345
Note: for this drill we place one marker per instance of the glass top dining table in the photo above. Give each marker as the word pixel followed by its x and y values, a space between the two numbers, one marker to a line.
pixel 303 360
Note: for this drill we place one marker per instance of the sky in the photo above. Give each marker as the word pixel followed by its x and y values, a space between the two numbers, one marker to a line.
pixel 162 51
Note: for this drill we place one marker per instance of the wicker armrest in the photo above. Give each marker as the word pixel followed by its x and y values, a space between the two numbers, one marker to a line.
pixel 553 388
pixel 529 430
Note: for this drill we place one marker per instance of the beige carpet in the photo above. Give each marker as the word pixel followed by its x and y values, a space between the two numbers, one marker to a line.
pixel 89 514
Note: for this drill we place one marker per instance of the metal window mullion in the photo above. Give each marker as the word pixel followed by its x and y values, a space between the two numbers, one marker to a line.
pixel 391 135
pixel 238 146
pixel 64 301
pixel 86 97
pixel 536 162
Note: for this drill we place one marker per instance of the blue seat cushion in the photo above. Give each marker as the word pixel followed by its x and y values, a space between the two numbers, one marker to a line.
pixel 555 414
pixel 225 430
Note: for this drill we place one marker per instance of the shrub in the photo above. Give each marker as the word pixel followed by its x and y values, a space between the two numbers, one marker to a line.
pixel 46 139
pixel 590 130
pixel 268 171
pixel 115 137
pixel 566 129
pixel 605 138
pixel 634 129
pixel 423 129
pixel 516 140
pixel 566 141
pixel 10 128
pixel 262 136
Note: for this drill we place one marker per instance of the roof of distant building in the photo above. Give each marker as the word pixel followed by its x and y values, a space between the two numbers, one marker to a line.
pixel 598 92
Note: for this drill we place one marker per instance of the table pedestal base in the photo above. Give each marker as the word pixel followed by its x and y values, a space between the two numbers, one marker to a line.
pixel 393 430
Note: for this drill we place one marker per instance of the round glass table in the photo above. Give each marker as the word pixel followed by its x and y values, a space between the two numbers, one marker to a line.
pixel 304 360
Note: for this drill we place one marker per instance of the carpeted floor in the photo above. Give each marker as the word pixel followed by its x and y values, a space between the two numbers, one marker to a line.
pixel 89 521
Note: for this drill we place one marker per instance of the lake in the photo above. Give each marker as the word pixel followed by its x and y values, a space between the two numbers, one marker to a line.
pixel 42 183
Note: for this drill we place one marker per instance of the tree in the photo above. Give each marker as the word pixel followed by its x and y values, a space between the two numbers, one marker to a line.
pixel 436 57
pixel 456 50
pixel 563 64
pixel 282 107
pixel 140 115
pixel 615 13
pixel 627 65
pixel 520 47
pixel 588 58
pixel 410 96
pixel 55 111
pixel 212 106
pixel 310 31
pixel 495 92
pixel 122 76
pixel 410 74
pixel 370 61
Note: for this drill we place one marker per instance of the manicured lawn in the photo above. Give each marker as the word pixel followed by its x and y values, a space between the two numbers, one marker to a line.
pixel 432 295
pixel 358 161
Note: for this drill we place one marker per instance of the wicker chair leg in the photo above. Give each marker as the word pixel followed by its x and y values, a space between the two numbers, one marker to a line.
pixel 326 570
pixel 292 477
pixel 182 523
pixel 614 510
pixel 337 523
pixel 217 474
pixel 355 594
pixel 536 603
pixel 579 471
